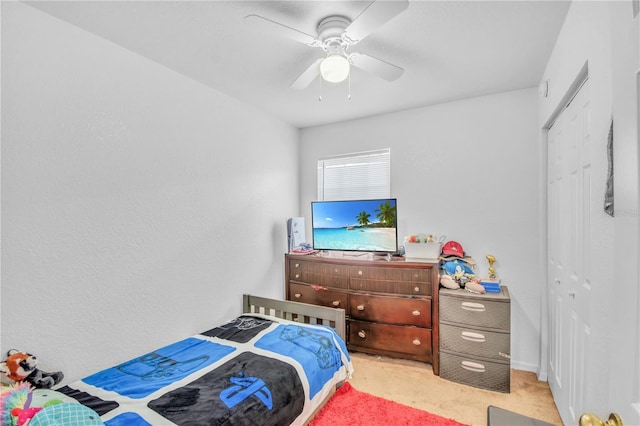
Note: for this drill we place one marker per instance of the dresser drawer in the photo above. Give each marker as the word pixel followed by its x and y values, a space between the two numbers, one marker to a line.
pixel 324 274
pixel 391 274
pixel 390 310
pixel 391 287
pixel 475 372
pixel 476 311
pixel 475 342
pixel 318 295
pixel 319 268
pixel 414 341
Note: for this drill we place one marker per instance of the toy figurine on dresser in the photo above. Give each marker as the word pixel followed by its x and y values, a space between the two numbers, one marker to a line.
pixel 492 271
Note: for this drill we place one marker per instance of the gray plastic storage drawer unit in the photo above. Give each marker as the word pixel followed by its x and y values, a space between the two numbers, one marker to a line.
pixel 475 338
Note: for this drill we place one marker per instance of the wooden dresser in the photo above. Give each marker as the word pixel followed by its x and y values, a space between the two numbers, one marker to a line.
pixel 391 306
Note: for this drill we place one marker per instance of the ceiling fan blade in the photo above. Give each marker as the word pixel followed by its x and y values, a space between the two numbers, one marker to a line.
pixel 267 26
pixel 376 66
pixel 375 15
pixel 307 76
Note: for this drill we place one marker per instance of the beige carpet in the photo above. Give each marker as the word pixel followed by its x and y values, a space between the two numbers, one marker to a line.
pixel 413 383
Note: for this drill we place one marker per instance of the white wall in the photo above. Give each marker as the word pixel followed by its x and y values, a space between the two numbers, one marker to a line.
pixel 467 169
pixel 137 204
pixel 603 36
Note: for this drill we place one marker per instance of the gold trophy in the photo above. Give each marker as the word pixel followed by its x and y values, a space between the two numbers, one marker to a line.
pixel 492 271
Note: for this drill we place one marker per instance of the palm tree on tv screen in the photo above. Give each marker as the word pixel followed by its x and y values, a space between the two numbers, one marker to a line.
pixel 386 213
pixel 363 218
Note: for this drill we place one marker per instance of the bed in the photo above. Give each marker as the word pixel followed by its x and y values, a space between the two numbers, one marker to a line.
pixel 276 364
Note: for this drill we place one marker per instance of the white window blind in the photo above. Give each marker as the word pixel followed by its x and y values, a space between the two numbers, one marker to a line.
pixel 356 176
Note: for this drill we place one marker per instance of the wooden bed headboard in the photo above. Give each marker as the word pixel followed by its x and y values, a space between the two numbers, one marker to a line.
pixel 296 311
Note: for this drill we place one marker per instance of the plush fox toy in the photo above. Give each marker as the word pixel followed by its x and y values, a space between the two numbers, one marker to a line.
pixel 21 367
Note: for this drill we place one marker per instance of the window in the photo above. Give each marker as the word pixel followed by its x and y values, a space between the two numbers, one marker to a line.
pixel 360 175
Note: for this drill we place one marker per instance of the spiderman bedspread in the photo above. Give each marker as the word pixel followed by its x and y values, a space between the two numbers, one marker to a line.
pixel 252 370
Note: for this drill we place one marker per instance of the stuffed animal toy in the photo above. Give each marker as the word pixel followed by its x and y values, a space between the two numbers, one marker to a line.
pixel 22 367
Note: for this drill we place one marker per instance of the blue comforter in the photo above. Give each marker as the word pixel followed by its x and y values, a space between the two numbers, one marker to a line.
pixel 254 370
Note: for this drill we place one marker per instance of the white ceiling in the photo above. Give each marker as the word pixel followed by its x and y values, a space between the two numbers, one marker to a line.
pixel 449 49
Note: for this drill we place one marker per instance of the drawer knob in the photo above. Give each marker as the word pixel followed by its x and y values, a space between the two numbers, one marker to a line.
pixel 417 342
pixel 297 295
pixel 362 334
pixel 335 270
pixel 359 272
pixel 297 265
pixel 416 313
pixel 336 303
pixel 416 289
pixel 360 307
pixel 297 275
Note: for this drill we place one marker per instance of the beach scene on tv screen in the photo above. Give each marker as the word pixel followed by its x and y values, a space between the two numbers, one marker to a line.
pixel 368 225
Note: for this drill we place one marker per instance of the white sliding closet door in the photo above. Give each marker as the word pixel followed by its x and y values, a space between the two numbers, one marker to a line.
pixel 569 263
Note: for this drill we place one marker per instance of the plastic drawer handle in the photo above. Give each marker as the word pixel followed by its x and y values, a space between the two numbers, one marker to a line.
pixel 417 342
pixel 472 306
pixel 336 303
pixel 416 289
pixel 473 337
pixel 297 296
pixel 297 275
pixel 297 265
pixel 359 272
pixel 361 307
pixel 473 366
pixel 416 313
pixel 362 334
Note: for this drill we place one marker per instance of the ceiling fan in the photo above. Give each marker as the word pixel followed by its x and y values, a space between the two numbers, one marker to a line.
pixel 335 34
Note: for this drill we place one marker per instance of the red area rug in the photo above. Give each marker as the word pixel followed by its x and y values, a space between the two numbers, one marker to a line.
pixel 349 406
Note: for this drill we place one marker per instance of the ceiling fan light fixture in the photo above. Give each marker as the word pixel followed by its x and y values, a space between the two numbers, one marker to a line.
pixel 335 68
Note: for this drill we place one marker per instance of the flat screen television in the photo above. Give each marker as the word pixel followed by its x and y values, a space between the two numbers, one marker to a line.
pixel 355 225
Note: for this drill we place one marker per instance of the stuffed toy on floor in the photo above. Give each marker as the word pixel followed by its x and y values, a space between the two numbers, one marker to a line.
pixel 22 367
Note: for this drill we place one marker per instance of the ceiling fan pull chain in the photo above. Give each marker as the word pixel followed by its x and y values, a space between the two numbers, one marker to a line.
pixel 320 89
pixel 349 87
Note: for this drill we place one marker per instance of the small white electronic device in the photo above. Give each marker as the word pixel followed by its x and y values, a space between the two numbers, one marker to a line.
pixel 295 232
